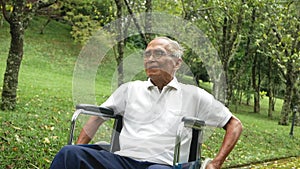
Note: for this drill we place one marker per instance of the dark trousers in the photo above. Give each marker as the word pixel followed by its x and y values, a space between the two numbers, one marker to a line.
pixel 92 157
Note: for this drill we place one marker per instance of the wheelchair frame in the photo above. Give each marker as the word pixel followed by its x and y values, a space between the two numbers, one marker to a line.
pixel 195 124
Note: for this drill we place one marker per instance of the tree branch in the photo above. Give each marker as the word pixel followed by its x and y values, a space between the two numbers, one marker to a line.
pixel 136 23
pixel 35 7
pixel 42 4
pixel 5 13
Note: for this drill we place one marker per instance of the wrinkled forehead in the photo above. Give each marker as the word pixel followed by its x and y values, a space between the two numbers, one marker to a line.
pixel 159 43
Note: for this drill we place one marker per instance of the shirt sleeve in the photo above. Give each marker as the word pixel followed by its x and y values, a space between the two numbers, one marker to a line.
pixel 212 111
pixel 117 101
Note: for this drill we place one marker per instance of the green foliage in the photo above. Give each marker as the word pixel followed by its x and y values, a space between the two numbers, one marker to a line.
pixel 170 7
pixel 284 34
pixel 32 135
pixel 86 17
pixel 196 65
pixel 244 31
pixel 239 30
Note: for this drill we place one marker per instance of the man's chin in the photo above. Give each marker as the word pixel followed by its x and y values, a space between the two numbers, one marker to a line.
pixel 153 72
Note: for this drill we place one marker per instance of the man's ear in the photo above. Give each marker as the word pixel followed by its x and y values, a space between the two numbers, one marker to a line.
pixel 178 63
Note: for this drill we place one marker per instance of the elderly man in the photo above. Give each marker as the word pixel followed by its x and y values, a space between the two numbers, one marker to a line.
pixel 152 111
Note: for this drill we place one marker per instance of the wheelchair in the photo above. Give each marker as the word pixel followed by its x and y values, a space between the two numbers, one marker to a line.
pixel 195 125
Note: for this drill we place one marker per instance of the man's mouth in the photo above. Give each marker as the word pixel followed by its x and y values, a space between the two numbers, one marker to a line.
pixel 152 67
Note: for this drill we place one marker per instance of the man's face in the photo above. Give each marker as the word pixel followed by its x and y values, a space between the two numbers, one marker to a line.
pixel 158 62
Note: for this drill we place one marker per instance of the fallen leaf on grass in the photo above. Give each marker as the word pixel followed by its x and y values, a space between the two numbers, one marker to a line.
pixel 46 141
pixel 47 160
pixel 17 128
pixel 51 128
pixel 30 128
pixel 54 137
pixel 33 166
pixel 17 137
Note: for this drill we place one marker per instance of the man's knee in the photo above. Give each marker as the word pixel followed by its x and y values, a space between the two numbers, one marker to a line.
pixel 67 150
pixel 66 157
pixel 158 166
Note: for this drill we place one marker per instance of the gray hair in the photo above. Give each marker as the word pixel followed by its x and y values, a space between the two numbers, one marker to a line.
pixel 174 47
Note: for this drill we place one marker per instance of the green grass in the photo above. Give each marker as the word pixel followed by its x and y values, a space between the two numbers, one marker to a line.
pixel 31 135
pixel 261 140
pixel 38 128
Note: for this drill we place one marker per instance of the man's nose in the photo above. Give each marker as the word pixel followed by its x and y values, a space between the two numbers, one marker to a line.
pixel 151 57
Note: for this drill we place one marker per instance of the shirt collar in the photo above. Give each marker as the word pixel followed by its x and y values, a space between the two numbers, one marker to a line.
pixel 173 84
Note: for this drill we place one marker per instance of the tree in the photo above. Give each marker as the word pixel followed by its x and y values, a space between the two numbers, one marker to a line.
pixel 120 44
pixel 86 16
pixel 222 21
pixel 285 49
pixel 18 19
pixel 122 27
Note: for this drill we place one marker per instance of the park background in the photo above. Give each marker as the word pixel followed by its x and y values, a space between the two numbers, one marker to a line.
pixel 257 41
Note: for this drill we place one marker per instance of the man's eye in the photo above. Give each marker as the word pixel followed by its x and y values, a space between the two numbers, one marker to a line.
pixel 147 54
pixel 159 53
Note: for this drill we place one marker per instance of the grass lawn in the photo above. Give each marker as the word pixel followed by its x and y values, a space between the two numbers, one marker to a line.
pixel 31 135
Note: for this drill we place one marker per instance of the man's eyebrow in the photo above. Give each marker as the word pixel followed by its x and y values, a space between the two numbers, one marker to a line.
pixel 150 50
pixel 158 50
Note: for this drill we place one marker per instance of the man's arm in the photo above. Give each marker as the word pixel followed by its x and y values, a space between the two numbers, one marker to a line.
pixel 89 129
pixel 233 131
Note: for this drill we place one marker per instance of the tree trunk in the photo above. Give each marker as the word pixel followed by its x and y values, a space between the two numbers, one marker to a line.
pixel 295 105
pixel 270 89
pixel 255 85
pixel 286 107
pixel 148 20
pixel 271 102
pixel 120 45
pixel 229 88
pixel 10 81
pixel 18 20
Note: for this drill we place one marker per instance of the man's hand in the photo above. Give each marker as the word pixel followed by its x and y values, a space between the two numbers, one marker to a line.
pixel 212 165
pixel 233 131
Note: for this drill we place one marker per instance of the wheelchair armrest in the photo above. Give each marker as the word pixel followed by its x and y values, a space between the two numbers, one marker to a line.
pixel 106 112
pixel 193 122
pixel 92 110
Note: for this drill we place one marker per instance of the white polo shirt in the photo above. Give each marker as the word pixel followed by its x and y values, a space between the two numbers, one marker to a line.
pixel 151 118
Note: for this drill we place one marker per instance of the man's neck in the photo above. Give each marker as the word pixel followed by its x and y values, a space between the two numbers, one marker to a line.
pixel 161 82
